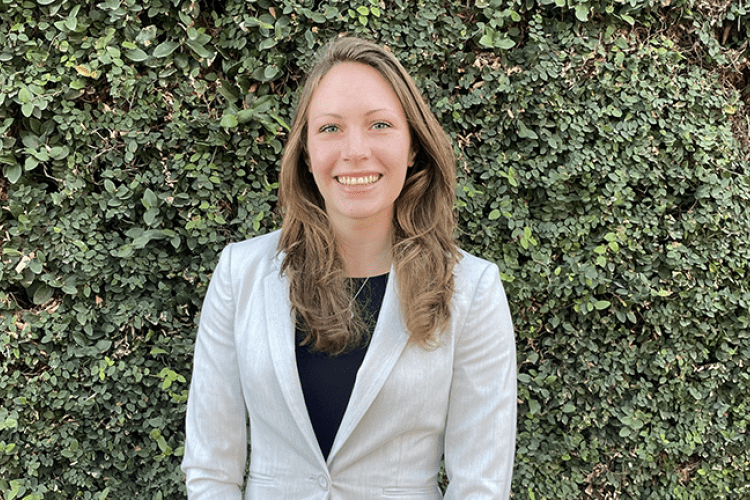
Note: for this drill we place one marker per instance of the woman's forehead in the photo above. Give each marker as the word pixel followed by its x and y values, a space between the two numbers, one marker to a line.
pixel 353 86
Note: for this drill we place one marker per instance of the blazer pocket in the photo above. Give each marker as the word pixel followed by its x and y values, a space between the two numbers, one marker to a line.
pixel 418 493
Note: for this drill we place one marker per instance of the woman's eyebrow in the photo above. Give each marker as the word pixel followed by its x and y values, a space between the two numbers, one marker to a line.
pixel 320 115
pixel 336 115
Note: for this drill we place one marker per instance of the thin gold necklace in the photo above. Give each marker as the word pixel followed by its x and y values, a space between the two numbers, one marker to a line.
pixel 351 302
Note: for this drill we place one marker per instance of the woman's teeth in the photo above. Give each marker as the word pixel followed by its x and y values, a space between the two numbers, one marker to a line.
pixel 356 181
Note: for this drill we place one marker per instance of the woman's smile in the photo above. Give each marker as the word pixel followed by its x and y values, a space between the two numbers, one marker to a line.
pixel 354 180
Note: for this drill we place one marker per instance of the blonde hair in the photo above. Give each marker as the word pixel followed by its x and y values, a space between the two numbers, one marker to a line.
pixel 423 250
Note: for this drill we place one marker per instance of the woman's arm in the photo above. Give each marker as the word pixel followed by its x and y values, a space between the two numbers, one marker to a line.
pixel 216 444
pixel 481 425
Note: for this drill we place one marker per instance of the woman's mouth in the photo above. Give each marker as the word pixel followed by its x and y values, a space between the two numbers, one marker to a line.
pixel 348 180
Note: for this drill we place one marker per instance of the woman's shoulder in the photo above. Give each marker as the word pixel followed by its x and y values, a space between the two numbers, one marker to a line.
pixel 258 251
pixel 475 276
pixel 263 244
pixel 471 268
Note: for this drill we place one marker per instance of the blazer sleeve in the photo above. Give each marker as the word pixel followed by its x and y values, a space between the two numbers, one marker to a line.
pixel 480 430
pixel 215 427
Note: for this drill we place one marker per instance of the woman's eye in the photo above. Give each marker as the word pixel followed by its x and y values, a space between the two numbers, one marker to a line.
pixel 381 125
pixel 329 128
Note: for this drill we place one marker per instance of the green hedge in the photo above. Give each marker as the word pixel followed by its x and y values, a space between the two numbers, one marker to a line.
pixel 602 164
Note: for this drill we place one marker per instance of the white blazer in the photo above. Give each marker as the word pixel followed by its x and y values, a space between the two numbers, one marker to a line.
pixel 408 406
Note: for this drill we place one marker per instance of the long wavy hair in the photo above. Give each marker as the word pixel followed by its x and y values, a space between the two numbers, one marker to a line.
pixel 423 250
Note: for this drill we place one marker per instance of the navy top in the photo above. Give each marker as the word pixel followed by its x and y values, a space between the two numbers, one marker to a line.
pixel 327 381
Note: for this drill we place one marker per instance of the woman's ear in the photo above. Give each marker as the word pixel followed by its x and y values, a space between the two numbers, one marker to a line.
pixel 412 157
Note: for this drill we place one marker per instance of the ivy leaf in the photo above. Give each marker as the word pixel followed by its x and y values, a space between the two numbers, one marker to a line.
pixel 602 304
pixel 488 38
pixel 270 73
pixel 5 126
pixel 151 217
pixel 71 23
pixel 245 115
pixel 582 12
pixel 526 133
pixel 59 152
pixel 229 120
pixel 199 49
pixel 267 44
pixel 165 48
pixel 146 36
pixel 150 199
pixel 83 70
pixel 504 43
pixel 534 406
pixel 136 55
pixel 27 109
pixel 25 95
pixel 42 294
pixel 12 172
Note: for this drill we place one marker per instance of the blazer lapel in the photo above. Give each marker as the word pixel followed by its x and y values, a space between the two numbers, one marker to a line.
pixel 388 341
pixel 281 332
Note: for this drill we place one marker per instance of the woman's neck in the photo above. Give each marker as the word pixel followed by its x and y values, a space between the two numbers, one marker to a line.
pixel 365 249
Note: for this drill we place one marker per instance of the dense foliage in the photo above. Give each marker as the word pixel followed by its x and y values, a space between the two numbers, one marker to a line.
pixel 602 153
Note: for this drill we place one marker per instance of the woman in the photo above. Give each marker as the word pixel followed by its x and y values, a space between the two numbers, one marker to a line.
pixel 358 344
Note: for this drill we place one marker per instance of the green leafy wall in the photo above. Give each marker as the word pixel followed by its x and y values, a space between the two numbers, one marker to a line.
pixel 602 153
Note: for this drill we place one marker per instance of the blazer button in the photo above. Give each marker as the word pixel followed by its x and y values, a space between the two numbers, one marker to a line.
pixel 322 481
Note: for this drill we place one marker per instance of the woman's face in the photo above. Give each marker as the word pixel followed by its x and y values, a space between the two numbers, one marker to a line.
pixel 358 143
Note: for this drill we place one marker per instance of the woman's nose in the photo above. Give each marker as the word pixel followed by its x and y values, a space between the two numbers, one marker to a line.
pixel 355 146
